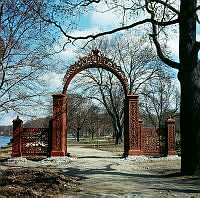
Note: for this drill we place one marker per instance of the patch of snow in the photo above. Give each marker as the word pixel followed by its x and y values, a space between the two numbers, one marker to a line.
pixel 51 161
pixel 153 158
pixel 17 160
pixel 56 160
pixel 138 158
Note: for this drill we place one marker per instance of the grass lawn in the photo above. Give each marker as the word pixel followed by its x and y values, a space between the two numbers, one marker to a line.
pixel 5 152
pixel 103 144
pixel 6 148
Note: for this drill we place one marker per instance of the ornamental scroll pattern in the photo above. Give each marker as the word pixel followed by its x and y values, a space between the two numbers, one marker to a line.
pixel 151 141
pixel 59 107
pixel 171 138
pixel 16 140
pixel 95 61
pixel 133 126
pixel 34 141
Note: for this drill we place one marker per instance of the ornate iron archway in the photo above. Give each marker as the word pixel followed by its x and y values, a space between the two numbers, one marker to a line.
pixel 95 60
pixel 60 118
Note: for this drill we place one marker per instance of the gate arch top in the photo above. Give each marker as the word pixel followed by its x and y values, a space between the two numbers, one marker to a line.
pixel 95 61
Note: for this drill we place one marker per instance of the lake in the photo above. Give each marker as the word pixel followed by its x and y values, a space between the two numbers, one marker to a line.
pixel 4 140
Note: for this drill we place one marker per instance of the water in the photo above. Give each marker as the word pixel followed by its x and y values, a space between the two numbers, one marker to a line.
pixel 4 140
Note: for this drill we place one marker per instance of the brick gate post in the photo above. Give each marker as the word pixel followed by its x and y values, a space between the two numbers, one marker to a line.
pixel 16 140
pixel 141 136
pixel 171 142
pixel 59 125
pixel 132 144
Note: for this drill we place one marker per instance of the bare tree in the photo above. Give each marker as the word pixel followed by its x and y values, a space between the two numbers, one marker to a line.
pixel 99 85
pixel 139 64
pixel 78 109
pixel 160 99
pixel 105 124
pixel 24 57
pixel 92 125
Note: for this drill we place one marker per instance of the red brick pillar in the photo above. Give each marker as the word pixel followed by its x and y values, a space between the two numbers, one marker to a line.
pixel 59 125
pixel 50 137
pixel 171 142
pixel 131 126
pixel 16 141
pixel 141 136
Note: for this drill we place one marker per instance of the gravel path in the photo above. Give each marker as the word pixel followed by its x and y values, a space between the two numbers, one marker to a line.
pixel 105 174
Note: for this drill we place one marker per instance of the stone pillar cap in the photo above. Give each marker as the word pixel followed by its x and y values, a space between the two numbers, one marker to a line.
pixel 59 95
pixel 170 119
pixel 17 119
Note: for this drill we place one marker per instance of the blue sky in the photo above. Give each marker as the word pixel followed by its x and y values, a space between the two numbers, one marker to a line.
pixel 89 23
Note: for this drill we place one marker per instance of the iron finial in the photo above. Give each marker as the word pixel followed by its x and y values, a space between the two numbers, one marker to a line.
pixel 95 52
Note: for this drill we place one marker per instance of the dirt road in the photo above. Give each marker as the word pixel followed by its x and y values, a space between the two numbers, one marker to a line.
pixel 106 175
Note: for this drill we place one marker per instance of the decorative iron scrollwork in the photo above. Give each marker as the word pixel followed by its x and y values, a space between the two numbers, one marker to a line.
pixel 35 141
pixel 95 60
pixel 151 141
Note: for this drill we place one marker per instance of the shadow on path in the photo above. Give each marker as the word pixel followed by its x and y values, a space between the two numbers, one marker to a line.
pixel 171 181
pixel 100 157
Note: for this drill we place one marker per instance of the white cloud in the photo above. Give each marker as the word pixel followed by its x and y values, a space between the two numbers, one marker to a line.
pixel 175 81
pixel 84 32
pixel 53 80
pixel 104 16
pixel 6 119
pixel 173 44
pixel 103 19
pixel 198 37
pixel 70 51
pixel 109 15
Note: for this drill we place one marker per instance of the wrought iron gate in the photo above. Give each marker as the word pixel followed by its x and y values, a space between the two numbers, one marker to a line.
pixel 35 141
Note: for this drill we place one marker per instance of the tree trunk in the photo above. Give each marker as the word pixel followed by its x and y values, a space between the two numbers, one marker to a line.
pixel 92 135
pixel 189 77
pixel 117 138
pixel 190 123
pixel 78 135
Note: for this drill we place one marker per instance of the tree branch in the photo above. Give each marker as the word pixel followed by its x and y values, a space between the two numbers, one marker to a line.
pixel 157 44
pixel 1 12
pixel 3 77
pixel 197 46
pixel 90 2
pixel 2 49
pixel 94 36
pixel 166 60
pixel 166 5
pixel 12 85
pixel 2 53
pixel 197 8
pixel 198 21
